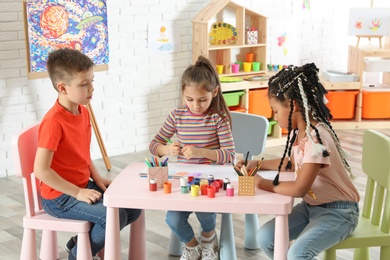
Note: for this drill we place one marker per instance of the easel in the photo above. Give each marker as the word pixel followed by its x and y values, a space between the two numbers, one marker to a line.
pixel 99 138
pixel 369 39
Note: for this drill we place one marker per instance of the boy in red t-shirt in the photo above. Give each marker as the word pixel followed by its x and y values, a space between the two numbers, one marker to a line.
pixel 71 186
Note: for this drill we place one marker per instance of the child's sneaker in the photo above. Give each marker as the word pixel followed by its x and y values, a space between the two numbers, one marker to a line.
pixel 191 253
pixel 71 243
pixel 209 247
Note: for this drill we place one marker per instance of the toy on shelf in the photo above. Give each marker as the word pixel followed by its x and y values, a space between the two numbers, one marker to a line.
pixel 222 33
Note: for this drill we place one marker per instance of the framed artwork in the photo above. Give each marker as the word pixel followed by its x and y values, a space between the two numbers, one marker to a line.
pixel 369 21
pixel 163 38
pixel 51 25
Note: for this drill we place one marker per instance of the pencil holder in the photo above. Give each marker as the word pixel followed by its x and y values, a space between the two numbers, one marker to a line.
pixel 246 185
pixel 160 174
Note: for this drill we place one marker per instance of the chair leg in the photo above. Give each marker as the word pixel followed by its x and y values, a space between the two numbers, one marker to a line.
pixel 227 246
pixel 362 253
pixel 83 246
pixel 175 247
pixel 385 252
pixel 329 254
pixel 29 245
pixel 251 228
pixel 49 245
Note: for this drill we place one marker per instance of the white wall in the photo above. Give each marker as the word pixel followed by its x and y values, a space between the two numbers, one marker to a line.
pixel 132 99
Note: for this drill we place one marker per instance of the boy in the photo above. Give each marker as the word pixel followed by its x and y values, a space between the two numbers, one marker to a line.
pixel 71 185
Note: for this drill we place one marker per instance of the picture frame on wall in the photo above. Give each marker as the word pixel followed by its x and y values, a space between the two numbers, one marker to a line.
pixel 74 24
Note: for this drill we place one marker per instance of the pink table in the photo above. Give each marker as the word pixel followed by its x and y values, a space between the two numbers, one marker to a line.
pixel 129 190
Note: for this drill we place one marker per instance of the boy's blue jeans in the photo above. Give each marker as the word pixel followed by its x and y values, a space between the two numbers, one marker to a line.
pixel 68 207
pixel 314 228
pixel 178 222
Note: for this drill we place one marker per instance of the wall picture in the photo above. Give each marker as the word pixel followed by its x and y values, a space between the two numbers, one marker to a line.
pixel 369 21
pixel 51 25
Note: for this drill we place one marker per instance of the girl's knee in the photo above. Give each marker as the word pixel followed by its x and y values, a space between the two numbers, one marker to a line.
pixel 173 219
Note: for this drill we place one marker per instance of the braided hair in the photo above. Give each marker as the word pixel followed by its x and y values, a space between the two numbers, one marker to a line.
pixel 302 84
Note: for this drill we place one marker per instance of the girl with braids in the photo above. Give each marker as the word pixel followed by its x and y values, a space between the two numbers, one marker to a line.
pixel 202 127
pixel 329 209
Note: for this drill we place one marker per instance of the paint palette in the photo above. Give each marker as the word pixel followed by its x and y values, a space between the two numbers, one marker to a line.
pixel 222 33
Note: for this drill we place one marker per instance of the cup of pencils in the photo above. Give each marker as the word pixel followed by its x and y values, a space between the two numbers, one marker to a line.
pixel 246 179
pixel 157 170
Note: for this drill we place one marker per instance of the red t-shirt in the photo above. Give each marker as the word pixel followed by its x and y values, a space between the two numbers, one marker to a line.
pixel 69 136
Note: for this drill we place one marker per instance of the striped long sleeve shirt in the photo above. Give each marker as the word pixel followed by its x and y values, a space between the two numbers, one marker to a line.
pixel 202 131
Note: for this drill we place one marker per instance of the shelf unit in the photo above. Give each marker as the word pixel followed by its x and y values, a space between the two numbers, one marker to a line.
pixel 228 54
pixel 356 65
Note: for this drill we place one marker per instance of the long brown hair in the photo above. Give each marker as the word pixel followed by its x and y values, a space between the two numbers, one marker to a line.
pixel 203 74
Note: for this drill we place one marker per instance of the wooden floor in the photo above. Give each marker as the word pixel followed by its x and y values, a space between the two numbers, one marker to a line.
pixel 12 209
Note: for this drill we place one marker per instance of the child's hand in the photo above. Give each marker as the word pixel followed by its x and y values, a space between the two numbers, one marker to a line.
pixel 89 196
pixel 174 148
pixel 250 164
pixel 191 152
pixel 103 183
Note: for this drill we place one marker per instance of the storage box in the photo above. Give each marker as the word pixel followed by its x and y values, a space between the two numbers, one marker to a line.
pixel 342 103
pixel 258 103
pixel 338 76
pixel 376 102
pixel 376 64
pixel 233 98
pixel 237 109
pixel 271 124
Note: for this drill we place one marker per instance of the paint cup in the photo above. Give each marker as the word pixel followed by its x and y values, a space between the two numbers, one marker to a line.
pixel 219 69
pixel 280 67
pixel 211 191
pixel 249 57
pixel 247 66
pixel 239 63
pixel 235 67
pixel 256 66
pixel 269 67
pixel 167 187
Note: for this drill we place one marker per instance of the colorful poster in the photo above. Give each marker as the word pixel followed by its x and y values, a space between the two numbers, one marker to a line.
pixel 369 21
pixel 55 24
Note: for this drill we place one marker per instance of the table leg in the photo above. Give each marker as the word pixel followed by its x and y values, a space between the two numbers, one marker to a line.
pixel 227 248
pixel 281 237
pixel 112 249
pixel 137 243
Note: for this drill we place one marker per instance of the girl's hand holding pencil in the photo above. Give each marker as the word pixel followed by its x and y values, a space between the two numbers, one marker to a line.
pixel 173 148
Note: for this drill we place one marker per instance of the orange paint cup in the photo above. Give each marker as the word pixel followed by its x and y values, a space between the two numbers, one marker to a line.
pixel 167 187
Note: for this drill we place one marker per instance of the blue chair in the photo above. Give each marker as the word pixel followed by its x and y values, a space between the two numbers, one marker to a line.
pixel 249 134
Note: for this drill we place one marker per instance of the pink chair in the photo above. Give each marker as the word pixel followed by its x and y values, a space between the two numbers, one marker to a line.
pixel 24 146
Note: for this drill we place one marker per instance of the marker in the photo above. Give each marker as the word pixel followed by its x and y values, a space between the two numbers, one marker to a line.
pixel 148 163
pixel 165 162
pixel 168 140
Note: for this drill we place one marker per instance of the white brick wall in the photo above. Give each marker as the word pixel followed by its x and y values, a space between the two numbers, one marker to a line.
pixel 132 99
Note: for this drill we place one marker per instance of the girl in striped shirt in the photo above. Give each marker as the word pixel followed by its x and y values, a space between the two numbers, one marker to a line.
pixel 203 130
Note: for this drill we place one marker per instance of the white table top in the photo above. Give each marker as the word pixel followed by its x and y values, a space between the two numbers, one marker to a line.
pixel 130 190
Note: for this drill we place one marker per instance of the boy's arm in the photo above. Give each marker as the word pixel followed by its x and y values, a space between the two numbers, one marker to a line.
pixel 46 174
pixel 101 182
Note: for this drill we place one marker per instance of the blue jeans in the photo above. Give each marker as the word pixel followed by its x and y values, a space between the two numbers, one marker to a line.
pixel 178 222
pixel 68 207
pixel 314 228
